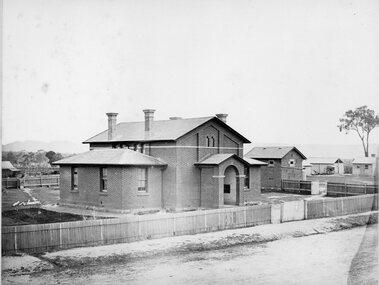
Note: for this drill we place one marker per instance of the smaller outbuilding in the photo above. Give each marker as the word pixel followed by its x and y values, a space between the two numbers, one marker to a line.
pixel 8 170
pixel 324 165
pixel 283 163
pixel 364 166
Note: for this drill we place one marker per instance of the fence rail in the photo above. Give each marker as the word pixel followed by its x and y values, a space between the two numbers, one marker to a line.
pixel 40 181
pixel 46 237
pixel 344 189
pixel 297 186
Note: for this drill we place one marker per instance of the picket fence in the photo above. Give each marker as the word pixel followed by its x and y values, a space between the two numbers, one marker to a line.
pixel 34 181
pixel 48 237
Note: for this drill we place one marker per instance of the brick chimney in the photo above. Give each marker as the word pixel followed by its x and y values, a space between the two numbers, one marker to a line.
pixel 222 117
pixel 112 120
pixel 149 118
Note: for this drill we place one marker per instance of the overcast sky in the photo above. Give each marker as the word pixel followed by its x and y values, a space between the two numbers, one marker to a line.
pixel 284 71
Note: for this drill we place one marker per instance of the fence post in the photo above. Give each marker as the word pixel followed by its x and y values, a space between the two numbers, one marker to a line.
pixel 305 210
pixel 365 188
pixel 345 190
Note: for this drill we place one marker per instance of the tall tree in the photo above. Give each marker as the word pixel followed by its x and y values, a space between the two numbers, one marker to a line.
pixel 362 120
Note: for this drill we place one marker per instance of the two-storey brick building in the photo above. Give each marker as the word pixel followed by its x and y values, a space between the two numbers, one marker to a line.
pixel 176 163
pixel 282 163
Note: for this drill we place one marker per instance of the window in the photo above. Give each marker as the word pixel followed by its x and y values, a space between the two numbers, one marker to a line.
pixel 357 166
pixel 292 163
pixel 208 141
pixel 103 179
pixel 142 179
pixel 247 181
pixel 271 163
pixel 366 166
pixel 227 188
pixel 74 178
pixel 213 141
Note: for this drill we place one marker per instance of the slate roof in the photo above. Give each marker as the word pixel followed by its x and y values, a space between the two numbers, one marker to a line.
pixel 162 130
pixel 364 160
pixel 274 152
pixel 219 158
pixel 112 157
pixel 323 160
pixel 8 165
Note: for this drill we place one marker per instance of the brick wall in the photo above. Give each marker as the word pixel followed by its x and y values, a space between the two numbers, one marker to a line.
pixel 271 175
pixel 292 173
pixel 121 190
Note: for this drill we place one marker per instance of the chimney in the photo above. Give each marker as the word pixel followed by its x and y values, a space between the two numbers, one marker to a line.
pixel 222 117
pixel 175 118
pixel 149 118
pixel 112 120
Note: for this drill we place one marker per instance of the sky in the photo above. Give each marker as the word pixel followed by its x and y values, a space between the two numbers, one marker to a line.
pixel 284 71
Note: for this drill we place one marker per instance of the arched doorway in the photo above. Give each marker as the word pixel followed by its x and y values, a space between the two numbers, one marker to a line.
pixel 231 186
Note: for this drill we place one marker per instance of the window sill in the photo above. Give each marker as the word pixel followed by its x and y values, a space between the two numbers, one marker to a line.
pixel 103 193
pixel 143 194
pixel 246 189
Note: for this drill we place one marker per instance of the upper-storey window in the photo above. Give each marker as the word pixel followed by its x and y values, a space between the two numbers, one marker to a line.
pixel 292 162
pixel 271 163
pixel 210 141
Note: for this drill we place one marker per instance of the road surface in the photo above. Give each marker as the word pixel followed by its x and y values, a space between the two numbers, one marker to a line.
pixel 344 257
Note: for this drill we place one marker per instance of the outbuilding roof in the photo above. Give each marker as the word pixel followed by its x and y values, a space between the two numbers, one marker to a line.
pixel 8 165
pixel 219 158
pixel 112 157
pixel 364 160
pixel 162 130
pixel 274 152
pixel 323 160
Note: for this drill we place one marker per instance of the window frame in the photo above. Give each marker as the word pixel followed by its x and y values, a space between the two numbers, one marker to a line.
pixel 271 163
pixel 74 178
pixel 103 179
pixel 247 177
pixel 293 162
pixel 142 180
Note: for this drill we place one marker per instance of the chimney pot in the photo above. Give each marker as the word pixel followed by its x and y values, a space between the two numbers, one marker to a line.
pixel 112 121
pixel 222 117
pixel 149 118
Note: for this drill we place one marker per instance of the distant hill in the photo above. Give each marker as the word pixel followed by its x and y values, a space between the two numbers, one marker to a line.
pixel 317 150
pixel 56 146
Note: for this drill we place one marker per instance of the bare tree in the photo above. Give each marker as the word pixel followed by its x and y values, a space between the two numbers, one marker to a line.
pixel 363 121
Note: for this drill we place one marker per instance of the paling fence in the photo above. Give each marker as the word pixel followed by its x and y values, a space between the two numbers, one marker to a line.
pixel 47 237
pixel 344 189
pixel 34 181
pixel 297 186
pixel 330 207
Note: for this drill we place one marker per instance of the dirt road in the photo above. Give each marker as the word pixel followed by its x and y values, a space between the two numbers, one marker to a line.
pixel 332 258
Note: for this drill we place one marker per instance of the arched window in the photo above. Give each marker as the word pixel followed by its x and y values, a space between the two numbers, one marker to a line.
pixel 213 141
pixel 208 141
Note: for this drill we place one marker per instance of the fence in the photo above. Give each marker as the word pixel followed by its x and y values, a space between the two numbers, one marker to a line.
pixel 297 186
pixel 43 180
pixel 9 182
pixel 344 189
pixel 39 170
pixel 46 237
pixel 330 207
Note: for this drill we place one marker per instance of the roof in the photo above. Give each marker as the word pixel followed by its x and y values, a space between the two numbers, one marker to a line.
pixel 219 158
pixel 163 130
pixel 323 160
pixel 8 165
pixel 274 152
pixel 364 160
pixel 112 157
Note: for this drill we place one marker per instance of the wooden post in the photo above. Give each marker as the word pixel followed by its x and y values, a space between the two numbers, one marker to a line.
pixel 345 190
pixel 365 188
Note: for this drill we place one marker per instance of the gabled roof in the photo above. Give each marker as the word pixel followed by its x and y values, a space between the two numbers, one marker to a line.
pixel 364 160
pixel 112 157
pixel 8 165
pixel 274 152
pixel 163 130
pixel 323 160
pixel 219 158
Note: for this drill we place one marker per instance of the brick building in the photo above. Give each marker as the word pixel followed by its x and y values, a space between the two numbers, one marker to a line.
pixel 282 163
pixel 176 163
